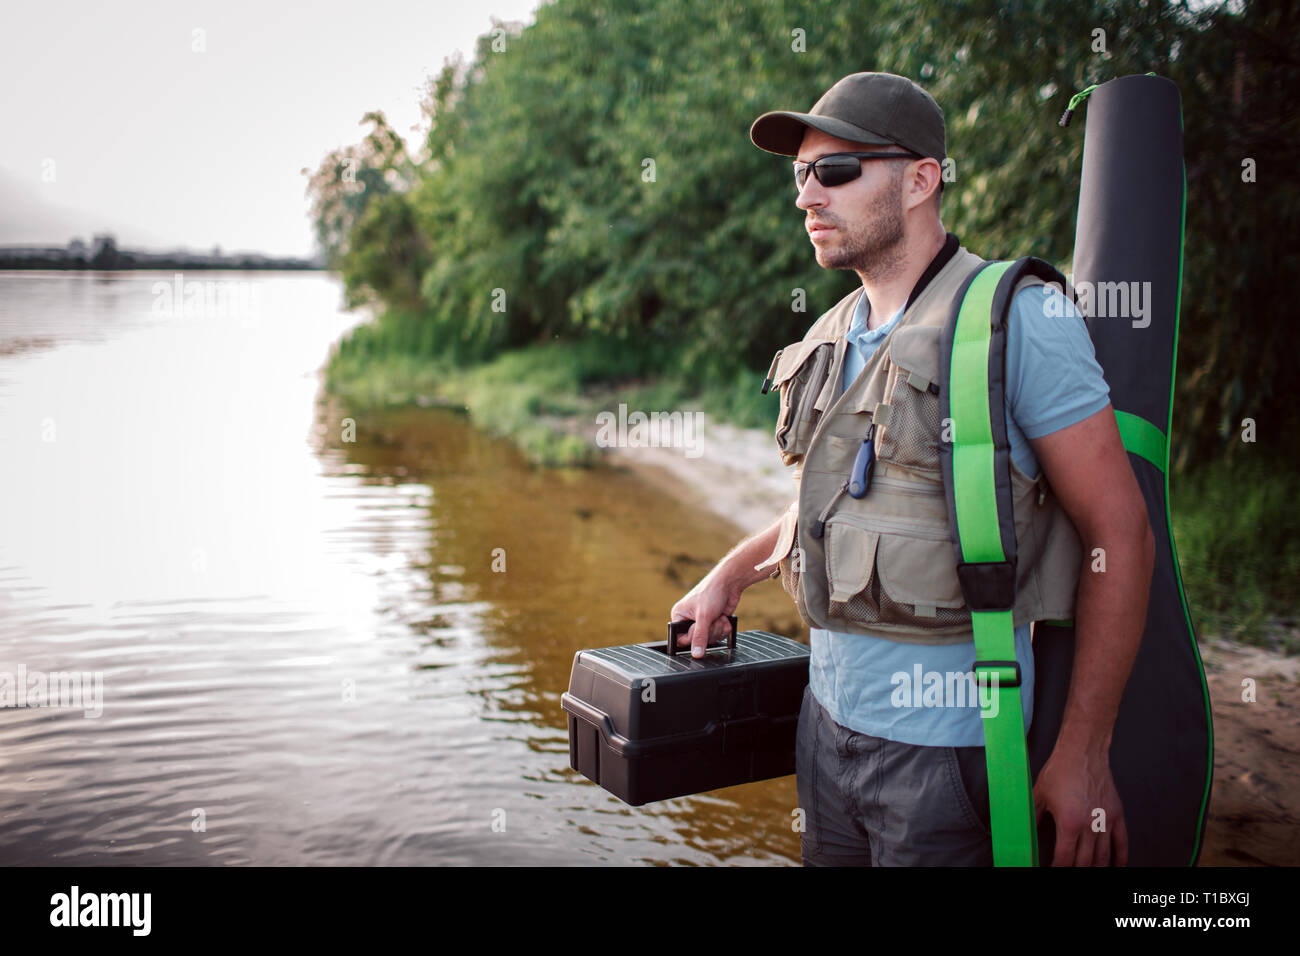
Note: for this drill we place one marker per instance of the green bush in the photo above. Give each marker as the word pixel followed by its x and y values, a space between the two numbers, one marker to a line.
pixel 1237 531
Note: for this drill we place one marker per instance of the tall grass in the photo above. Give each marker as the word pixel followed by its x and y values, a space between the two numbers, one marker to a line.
pixel 526 394
pixel 1237 531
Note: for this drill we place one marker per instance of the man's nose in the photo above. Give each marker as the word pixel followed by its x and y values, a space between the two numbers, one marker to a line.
pixel 812 194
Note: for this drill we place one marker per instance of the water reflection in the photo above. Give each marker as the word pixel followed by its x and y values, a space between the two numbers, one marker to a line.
pixel 307 655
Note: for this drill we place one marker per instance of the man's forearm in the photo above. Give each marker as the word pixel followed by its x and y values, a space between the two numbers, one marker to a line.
pixel 1110 616
pixel 736 570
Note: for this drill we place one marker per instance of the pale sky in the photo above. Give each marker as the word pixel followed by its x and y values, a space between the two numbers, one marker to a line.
pixel 165 146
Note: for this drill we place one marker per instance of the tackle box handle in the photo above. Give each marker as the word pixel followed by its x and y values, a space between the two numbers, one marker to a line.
pixel 680 627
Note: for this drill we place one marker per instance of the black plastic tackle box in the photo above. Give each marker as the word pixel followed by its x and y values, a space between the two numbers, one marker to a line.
pixel 647 722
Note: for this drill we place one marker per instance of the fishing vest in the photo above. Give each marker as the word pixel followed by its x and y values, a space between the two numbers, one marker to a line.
pixel 883 564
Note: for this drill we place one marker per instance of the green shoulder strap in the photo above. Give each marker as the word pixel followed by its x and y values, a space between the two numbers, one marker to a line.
pixel 976 460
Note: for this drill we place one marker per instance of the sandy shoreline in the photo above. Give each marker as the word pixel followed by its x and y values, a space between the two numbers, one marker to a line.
pixel 1254 814
pixel 733 472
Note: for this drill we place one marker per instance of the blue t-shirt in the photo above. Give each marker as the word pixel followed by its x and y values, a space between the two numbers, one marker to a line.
pixel 877 686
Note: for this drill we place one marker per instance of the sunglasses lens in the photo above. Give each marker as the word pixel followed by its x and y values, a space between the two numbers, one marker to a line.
pixel 838 170
pixel 829 170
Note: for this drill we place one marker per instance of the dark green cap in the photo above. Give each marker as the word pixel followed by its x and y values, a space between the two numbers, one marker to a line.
pixel 876 108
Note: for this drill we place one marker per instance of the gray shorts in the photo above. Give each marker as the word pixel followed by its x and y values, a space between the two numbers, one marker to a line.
pixel 870 801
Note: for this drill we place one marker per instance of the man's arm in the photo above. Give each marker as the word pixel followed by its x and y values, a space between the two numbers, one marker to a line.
pixel 1089 472
pixel 718 593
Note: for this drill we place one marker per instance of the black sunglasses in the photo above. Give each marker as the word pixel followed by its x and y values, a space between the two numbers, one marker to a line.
pixel 836 169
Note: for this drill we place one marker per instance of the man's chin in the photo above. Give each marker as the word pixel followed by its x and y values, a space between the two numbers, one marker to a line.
pixel 833 259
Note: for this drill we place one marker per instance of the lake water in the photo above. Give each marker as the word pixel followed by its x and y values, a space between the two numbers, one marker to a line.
pixel 289 641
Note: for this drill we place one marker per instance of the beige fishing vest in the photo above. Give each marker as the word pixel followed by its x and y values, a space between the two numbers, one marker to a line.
pixel 885 563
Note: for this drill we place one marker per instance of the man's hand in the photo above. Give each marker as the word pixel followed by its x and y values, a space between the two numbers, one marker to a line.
pixel 716 596
pixel 1073 790
pixel 708 605
pixel 1089 472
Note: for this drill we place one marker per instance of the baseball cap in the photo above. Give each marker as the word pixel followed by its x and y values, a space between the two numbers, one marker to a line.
pixel 876 108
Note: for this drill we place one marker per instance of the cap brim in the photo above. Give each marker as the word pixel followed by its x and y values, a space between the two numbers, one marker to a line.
pixel 781 132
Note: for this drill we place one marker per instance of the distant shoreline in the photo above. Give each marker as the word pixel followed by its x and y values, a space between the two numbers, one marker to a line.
pixel 103 254
pixel 129 263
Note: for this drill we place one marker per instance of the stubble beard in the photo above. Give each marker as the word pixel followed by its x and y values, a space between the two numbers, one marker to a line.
pixel 875 249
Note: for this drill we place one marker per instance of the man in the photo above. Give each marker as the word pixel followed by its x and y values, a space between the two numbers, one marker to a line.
pixel 881 780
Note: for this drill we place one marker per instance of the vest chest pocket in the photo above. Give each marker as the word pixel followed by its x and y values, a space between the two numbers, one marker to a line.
pixel 800 372
pixel 889 574
pixel 909 415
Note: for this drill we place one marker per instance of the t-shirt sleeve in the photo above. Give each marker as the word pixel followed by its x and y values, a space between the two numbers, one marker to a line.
pixel 1053 379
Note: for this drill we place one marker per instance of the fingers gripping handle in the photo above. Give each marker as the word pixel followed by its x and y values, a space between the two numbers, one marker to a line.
pixel 681 627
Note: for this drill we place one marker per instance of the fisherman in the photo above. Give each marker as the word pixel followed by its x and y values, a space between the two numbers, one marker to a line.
pixel 882 778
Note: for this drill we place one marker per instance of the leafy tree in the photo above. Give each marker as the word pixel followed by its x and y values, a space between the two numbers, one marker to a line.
pixel 589 176
pixel 348 180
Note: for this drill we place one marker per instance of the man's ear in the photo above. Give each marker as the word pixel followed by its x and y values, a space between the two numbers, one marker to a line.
pixel 924 181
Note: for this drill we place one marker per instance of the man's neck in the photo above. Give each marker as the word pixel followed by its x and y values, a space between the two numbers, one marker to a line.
pixel 888 294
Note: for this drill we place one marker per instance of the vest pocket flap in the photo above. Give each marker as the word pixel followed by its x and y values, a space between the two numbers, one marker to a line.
pixel 911 427
pixel 799 375
pixel 850 559
pixel 831 389
pixel 916 349
pixel 919 571
pixel 793 357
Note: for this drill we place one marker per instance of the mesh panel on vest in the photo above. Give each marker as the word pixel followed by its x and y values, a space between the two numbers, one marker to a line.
pixel 909 438
pixel 862 608
pixel 898 613
pixel 874 606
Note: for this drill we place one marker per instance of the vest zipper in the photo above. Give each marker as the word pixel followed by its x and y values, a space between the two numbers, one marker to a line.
pixel 819 526
pixel 907 487
pixel 884 525
pixel 771 370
